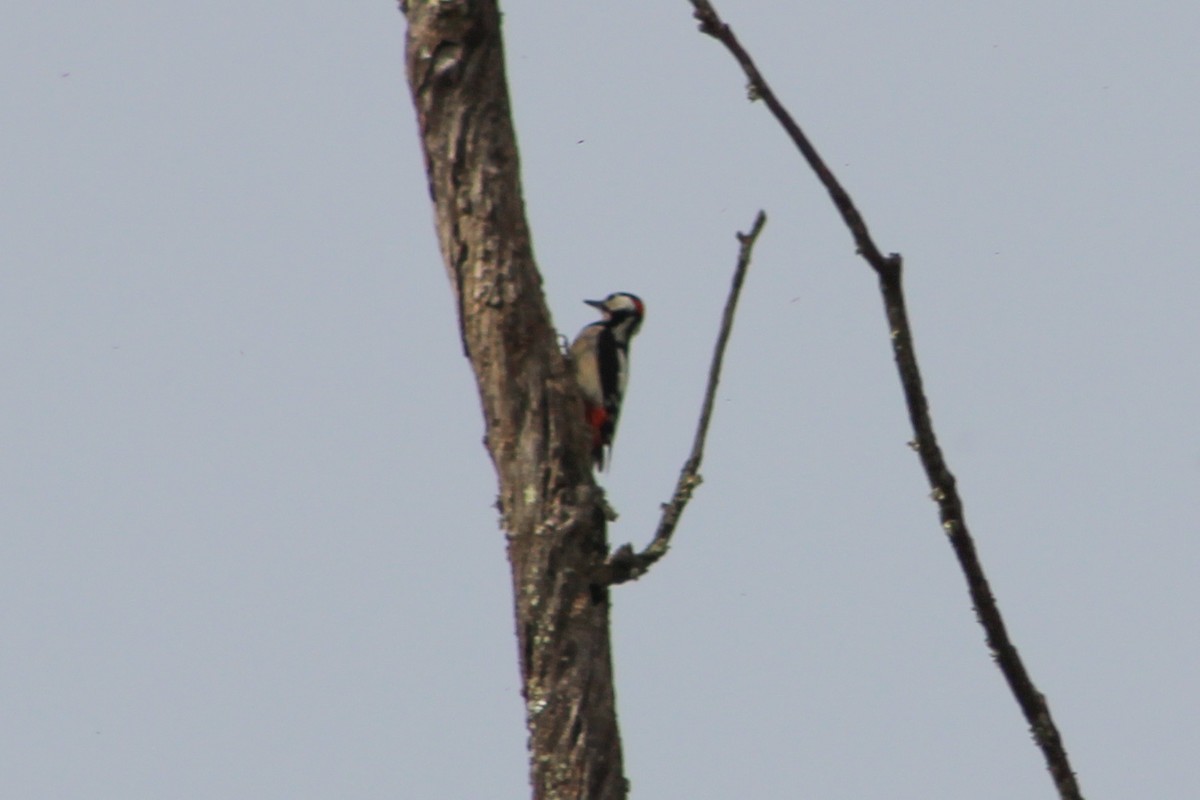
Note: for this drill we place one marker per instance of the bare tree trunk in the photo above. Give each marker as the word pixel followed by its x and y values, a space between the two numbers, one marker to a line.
pixel 551 509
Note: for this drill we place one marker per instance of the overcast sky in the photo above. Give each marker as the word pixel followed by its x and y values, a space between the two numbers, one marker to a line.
pixel 247 542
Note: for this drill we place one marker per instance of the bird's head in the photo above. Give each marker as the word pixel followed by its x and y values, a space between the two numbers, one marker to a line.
pixel 623 313
pixel 619 305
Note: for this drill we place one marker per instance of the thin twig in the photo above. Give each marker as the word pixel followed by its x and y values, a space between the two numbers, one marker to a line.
pixel 712 24
pixel 625 565
pixel 945 493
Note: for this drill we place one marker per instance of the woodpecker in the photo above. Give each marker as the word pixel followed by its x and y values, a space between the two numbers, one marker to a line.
pixel 601 357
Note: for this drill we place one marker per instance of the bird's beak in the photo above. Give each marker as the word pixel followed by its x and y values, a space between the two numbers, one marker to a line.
pixel 596 304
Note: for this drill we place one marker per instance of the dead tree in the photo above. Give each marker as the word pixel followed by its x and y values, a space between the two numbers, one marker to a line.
pixel 550 507
pixel 553 513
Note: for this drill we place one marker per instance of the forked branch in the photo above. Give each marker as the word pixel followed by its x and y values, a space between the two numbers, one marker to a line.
pixel 945 493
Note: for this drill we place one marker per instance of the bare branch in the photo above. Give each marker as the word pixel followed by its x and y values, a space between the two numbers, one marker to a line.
pixel 624 565
pixel 714 26
pixel 945 493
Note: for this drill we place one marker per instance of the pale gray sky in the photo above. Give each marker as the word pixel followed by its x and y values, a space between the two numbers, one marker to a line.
pixel 247 543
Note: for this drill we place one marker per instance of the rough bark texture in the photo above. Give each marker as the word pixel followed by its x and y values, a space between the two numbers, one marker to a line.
pixel 550 507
